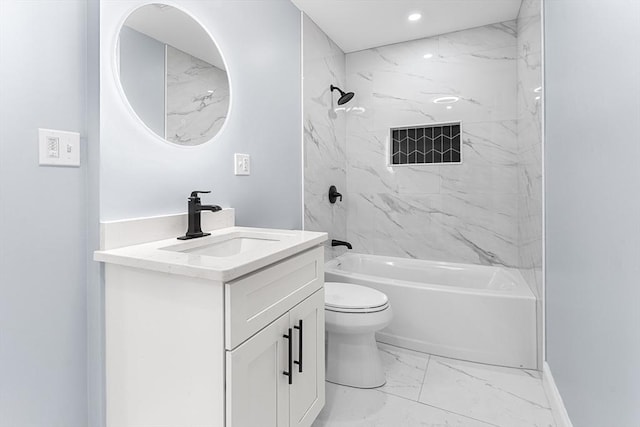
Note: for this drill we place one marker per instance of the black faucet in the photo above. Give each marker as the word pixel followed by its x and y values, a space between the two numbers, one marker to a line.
pixel 341 243
pixel 195 229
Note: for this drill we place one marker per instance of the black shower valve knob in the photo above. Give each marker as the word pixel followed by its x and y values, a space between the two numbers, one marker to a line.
pixel 333 194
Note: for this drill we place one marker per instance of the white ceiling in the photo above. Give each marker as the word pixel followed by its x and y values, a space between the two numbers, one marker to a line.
pixel 175 28
pixel 363 24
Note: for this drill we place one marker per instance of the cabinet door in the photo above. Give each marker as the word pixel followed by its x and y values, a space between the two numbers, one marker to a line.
pixel 257 390
pixel 307 390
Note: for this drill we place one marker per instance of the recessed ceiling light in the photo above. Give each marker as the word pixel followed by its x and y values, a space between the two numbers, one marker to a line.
pixel 415 16
pixel 446 100
pixel 538 89
pixel 428 55
pixel 449 107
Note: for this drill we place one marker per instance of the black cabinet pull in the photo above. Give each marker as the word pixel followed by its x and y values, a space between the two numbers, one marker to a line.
pixel 299 361
pixel 289 373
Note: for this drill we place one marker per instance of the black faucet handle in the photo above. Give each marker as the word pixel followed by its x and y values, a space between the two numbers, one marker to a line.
pixel 333 194
pixel 194 194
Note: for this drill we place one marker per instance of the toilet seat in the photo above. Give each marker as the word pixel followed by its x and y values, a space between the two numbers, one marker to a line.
pixel 350 298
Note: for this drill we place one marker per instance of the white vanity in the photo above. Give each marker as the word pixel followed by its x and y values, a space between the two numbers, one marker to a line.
pixel 223 330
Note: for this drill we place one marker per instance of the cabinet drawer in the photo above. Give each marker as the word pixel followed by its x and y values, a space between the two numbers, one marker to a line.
pixel 256 300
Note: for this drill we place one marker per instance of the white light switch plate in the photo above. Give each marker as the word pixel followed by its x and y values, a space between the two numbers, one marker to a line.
pixel 242 164
pixel 58 148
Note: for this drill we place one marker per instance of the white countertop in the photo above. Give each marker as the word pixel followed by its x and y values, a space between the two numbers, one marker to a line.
pixel 161 255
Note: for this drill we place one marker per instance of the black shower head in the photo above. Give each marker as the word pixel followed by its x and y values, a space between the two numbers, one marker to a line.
pixel 344 97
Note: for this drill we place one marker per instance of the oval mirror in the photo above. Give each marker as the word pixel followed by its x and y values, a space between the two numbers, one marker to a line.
pixel 173 74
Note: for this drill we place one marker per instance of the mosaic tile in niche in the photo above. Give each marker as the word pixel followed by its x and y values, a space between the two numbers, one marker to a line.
pixel 427 144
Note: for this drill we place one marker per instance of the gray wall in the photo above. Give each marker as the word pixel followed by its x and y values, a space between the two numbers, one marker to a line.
pixel 142 73
pixel 95 284
pixel 43 343
pixel 593 208
pixel 144 176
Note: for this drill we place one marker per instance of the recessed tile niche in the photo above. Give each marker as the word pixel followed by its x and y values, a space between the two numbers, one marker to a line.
pixel 428 144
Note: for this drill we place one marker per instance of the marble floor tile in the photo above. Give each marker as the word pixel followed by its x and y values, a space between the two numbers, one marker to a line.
pixel 351 407
pixel 500 396
pixel 404 369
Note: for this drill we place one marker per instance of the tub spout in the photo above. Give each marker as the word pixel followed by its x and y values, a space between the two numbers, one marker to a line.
pixel 341 243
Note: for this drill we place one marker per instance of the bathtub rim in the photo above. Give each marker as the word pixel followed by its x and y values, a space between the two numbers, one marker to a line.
pixel 521 291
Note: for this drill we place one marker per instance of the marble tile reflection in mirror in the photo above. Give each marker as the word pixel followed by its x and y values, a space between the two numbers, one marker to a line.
pixel 173 75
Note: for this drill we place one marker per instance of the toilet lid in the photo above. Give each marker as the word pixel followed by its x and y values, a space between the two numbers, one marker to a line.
pixel 346 296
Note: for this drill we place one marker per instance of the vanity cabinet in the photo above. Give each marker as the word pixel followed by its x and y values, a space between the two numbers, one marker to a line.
pixel 183 350
pixel 276 378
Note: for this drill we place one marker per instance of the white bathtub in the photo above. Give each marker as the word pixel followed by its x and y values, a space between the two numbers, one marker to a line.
pixel 471 312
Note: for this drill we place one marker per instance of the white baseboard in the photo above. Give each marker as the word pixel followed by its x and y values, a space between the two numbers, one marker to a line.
pixel 555 400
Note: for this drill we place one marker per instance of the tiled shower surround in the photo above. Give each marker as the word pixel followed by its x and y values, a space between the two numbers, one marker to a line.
pixel 450 212
pixel 529 143
pixel 484 210
pixel 530 151
pixel 324 135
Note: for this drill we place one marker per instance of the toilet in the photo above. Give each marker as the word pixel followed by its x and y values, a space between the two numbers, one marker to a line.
pixel 353 314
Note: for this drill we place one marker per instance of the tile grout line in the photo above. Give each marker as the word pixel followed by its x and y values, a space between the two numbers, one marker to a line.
pixel 411 353
pixel 530 371
pixel 424 378
pixel 436 407
pixel 460 415
pixel 429 357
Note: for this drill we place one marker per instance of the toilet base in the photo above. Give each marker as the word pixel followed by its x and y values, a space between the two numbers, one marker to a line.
pixel 354 360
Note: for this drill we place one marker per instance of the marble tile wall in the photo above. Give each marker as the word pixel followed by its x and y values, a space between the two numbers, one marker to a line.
pixel 530 142
pixel 529 122
pixel 324 135
pixel 464 212
pixel 197 98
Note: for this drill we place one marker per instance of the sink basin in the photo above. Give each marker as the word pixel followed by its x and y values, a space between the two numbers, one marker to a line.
pixel 228 245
